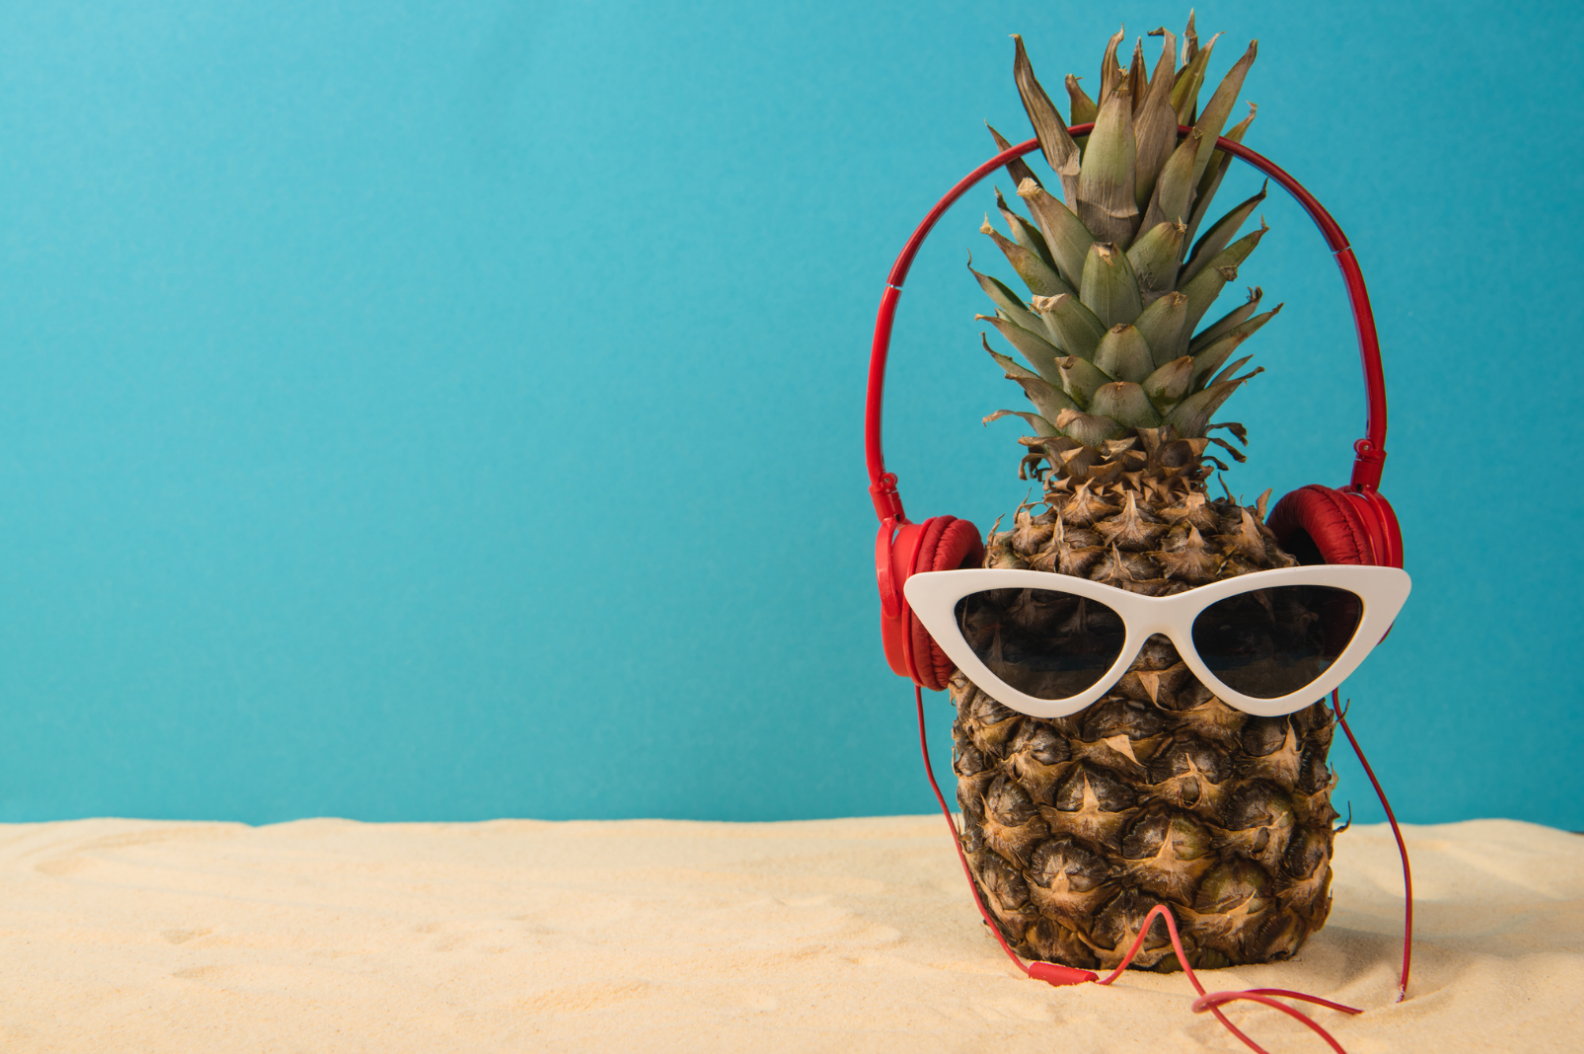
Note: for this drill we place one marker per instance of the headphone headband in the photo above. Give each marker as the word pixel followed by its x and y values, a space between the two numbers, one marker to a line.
pixel 1369 452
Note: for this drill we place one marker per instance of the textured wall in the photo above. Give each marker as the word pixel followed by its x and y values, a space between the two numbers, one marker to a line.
pixel 451 410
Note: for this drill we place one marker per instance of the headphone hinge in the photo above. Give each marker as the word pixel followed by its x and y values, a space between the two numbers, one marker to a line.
pixel 887 502
pixel 1368 464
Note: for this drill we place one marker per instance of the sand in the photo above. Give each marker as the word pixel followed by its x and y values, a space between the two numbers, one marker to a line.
pixel 840 935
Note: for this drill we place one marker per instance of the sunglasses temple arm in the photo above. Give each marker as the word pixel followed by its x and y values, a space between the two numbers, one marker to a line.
pixel 1402 848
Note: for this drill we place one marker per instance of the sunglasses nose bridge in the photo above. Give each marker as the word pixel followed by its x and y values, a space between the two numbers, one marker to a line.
pixel 1153 623
pixel 1167 623
pixel 1140 628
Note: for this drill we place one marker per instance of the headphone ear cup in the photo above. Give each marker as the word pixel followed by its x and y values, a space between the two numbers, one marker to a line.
pixel 1381 523
pixel 1319 525
pixel 948 544
pixel 896 546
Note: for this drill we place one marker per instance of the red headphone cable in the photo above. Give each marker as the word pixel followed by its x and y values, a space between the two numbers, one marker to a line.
pixel 1059 976
pixel 1402 849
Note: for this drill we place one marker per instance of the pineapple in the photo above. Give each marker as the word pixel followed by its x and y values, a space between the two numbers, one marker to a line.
pixel 1158 793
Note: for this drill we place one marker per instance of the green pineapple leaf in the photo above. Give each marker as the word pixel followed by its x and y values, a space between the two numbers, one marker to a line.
pixel 1024 232
pixel 1039 352
pixel 1216 238
pixel 1017 168
pixel 1049 400
pixel 1210 359
pixel 1075 328
pixel 1105 181
pixel 1167 386
pixel 1084 109
pixel 1185 93
pixel 1164 327
pixel 1189 417
pixel 1061 153
pixel 1110 73
pixel 1008 301
pixel 1081 378
pixel 1137 78
pixel 1029 265
pixel 1123 354
pixel 1215 115
pixel 1126 403
pixel 1223 325
pixel 1041 426
pixel 1167 63
pixel 1068 239
pixel 1208 283
pixel 1170 201
pixel 1210 182
pixel 1229 371
pixel 1109 287
pixel 1092 430
pixel 1155 258
pixel 1008 364
pixel 1155 123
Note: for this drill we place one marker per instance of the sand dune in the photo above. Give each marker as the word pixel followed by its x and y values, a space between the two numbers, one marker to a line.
pixel 841 935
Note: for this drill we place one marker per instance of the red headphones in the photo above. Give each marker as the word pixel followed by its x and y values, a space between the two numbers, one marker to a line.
pixel 1353 525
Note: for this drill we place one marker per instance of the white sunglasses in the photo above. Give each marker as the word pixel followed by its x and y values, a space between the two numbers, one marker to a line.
pixel 1267 643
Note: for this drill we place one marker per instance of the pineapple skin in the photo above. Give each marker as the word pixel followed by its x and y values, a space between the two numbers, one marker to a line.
pixel 1158 793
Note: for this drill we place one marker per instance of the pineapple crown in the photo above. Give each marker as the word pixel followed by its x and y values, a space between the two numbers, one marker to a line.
pixel 1108 331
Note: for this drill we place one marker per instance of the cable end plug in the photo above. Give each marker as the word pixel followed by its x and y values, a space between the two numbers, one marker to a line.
pixel 1060 976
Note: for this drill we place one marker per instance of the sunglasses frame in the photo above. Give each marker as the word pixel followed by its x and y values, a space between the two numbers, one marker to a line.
pixel 933 596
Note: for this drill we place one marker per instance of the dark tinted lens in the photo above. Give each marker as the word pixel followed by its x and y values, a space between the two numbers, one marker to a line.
pixel 1043 642
pixel 1272 642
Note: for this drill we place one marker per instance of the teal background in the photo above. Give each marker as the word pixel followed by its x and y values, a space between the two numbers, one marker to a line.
pixel 452 410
